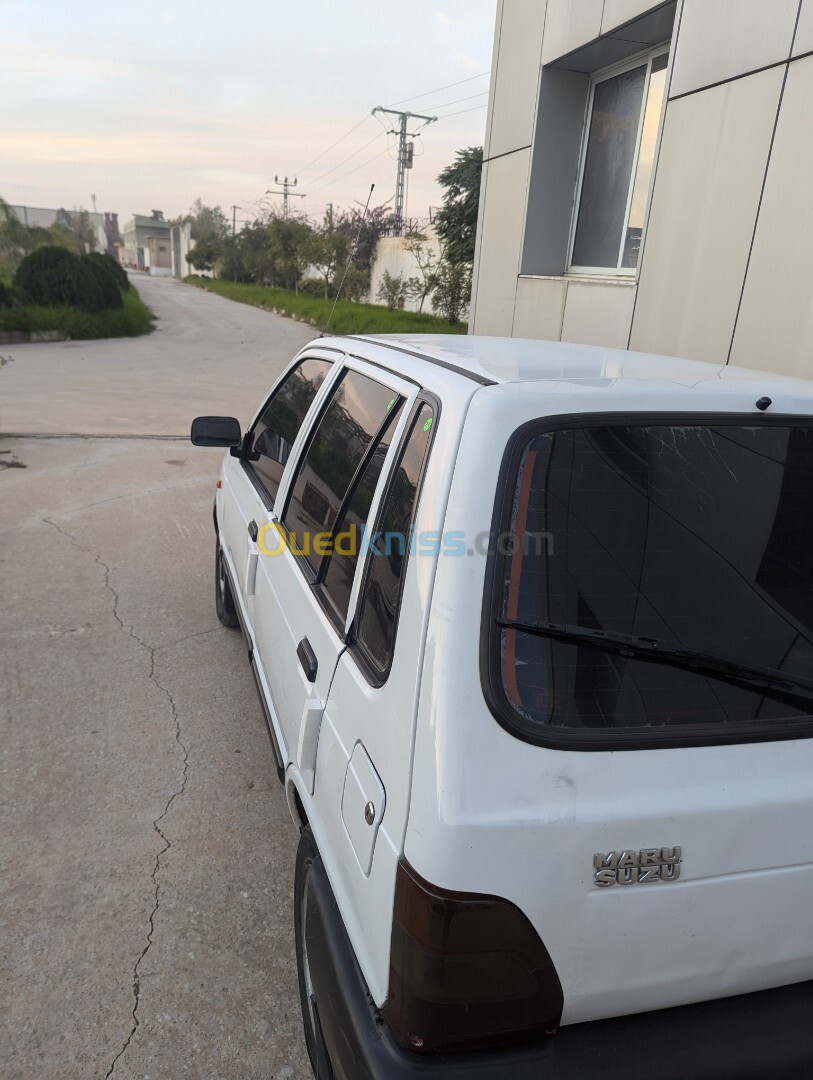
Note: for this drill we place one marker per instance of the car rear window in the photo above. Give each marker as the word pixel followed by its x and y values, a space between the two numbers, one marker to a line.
pixel 654 581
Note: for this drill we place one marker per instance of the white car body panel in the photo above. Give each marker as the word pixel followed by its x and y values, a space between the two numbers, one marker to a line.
pixel 474 807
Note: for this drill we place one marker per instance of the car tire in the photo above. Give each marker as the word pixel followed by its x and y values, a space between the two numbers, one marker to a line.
pixel 224 601
pixel 306 855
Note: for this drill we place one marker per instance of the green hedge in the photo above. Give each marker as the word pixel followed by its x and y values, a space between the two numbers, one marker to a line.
pixel 132 319
pixel 350 318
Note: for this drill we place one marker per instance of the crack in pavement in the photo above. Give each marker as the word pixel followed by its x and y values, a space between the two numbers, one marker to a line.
pixel 176 794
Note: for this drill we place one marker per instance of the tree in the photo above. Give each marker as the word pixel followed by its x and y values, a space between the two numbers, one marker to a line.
pixel 288 241
pixel 421 285
pixel 75 229
pixel 456 221
pixel 205 254
pixel 326 252
pixel 210 231
pixel 208 222
pixel 452 290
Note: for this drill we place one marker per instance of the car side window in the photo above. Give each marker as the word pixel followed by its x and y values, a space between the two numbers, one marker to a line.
pixel 279 423
pixel 350 426
pixel 337 580
pixel 389 548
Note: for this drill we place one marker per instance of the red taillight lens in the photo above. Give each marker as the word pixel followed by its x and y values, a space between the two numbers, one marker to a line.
pixel 466 971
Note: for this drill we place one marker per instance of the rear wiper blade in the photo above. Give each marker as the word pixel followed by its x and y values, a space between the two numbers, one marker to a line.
pixel 673 653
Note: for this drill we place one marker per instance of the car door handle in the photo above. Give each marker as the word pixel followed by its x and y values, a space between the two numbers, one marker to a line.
pixel 307 658
pixel 253 531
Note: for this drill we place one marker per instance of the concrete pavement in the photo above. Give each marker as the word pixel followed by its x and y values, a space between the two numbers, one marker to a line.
pixel 146 851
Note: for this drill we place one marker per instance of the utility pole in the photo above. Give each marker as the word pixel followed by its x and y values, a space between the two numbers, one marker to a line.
pixel 330 216
pixel 286 192
pixel 234 210
pixel 405 156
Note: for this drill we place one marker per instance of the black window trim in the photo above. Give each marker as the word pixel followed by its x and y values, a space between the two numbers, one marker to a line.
pixel 374 675
pixel 248 440
pixel 490 652
pixel 341 367
pixel 318 583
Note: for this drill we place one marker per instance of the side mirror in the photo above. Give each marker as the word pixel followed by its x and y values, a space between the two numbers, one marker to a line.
pixel 216 431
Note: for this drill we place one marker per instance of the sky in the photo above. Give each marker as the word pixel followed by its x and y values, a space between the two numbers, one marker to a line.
pixel 151 106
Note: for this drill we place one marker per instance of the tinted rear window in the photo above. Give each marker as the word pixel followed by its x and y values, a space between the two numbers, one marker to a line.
pixel 694 535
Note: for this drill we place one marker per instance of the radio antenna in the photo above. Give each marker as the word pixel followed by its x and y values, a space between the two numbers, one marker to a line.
pixel 349 262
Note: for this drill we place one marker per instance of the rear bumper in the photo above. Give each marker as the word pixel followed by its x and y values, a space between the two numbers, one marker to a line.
pixel 753 1036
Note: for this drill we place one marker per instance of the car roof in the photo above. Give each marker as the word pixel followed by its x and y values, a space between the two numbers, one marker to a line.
pixel 500 360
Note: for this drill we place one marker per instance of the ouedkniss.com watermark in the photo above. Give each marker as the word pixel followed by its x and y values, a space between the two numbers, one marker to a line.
pixel 274 539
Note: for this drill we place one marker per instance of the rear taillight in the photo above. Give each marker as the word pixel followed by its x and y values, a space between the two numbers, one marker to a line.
pixel 466 971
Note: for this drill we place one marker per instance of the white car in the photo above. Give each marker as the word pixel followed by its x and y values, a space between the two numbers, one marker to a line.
pixel 532 625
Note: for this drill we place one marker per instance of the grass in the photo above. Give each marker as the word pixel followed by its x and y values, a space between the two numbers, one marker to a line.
pixel 349 318
pixel 133 319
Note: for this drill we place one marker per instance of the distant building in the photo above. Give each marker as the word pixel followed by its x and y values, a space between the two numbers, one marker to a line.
pixel 115 241
pixel 646 178
pixel 181 246
pixel 138 252
pixel 44 218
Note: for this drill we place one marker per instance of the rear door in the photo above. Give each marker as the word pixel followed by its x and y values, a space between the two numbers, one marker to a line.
pixel 303 596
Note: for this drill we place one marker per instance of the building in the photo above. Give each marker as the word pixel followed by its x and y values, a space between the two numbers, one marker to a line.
pixel 393 256
pixel 44 218
pixel 114 239
pixel 646 178
pixel 138 252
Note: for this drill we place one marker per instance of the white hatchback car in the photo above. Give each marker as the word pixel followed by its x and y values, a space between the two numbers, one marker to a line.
pixel 532 625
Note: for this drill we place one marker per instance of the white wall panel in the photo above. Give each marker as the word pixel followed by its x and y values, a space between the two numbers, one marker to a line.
pixel 540 308
pixel 516 88
pixel 618 12
pixel 722 39
pixel 804 31
pixel 569 25
pixel 775 328
pixel 500 240
pixel 704 205
pixel 598 313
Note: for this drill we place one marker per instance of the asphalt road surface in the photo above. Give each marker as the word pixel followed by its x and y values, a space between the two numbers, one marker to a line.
pixel 146 850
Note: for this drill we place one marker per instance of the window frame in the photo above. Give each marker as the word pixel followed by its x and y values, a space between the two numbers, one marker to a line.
pixel 648 55
pixel 491 680
pixel 335 361
pixel 374 675
pixel 405 389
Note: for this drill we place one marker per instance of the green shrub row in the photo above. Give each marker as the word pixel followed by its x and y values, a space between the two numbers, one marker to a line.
pixel 350 317
pixel 131 319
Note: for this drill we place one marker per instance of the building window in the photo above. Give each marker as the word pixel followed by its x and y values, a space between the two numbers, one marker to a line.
pixel 621 137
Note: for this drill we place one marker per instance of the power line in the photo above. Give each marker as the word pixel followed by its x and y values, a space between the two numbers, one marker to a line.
pixel 346 135
pixel 457 101
pixel 461 111
pixel 448 86
pixel 350 157
pixel 363 165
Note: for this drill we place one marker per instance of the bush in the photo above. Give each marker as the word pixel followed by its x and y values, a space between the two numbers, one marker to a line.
pixel 112 268
pixel 54 277
pixel 8 297
pixel 392 290
pixel 70 322
pixel 106 282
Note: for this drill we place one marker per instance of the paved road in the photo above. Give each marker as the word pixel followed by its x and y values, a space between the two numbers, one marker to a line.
pixel 146 850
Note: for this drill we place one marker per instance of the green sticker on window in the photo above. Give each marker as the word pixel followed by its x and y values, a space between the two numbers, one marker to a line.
pixel 390 405
pixel 428 424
